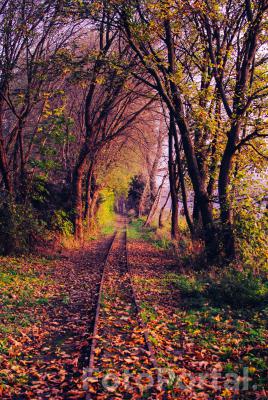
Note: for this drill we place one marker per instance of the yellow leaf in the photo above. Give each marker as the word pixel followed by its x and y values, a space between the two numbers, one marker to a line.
pixel 226 393
pixel 97 351
pixel 91 379
pixel 128 360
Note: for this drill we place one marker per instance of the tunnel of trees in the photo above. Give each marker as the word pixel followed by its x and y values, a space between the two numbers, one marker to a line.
pixel 133 191
pixel 91 91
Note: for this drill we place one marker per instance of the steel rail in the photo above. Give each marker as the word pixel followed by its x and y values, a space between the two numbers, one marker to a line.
pixel 136 301
pixel 98 307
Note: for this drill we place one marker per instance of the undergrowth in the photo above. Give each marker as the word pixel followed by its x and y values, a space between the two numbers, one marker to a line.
pixel 222 287
pixel 19 227
pixel 161 238
pixel 151 234
pixel 106 214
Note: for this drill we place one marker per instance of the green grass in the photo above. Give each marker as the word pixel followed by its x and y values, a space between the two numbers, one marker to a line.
pixel 23 287
pixel 238 289
pixel 144 282
pixel 234 335
pixel 222 310
pixel 65 299
pixel 148 312
pixel 188 286
pixel 223 287
pixel 106 213
pixel 234 330
pixel 4 346
pixel 153 340
pixel 107 230
pixel 137 231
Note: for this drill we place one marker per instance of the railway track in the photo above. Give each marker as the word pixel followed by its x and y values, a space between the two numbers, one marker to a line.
pixel 121 358
pixel 97 312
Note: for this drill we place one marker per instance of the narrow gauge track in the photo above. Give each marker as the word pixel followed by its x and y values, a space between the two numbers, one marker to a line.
pixel 97 312
pixel 120 340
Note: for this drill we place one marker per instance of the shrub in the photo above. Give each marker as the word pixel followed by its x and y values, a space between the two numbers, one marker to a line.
pixel 251 225
pixel 61 223
pixel 189 286
pixel 135 228
pixel 19 227
pixel 252 239
pixel 106 213
pixel 238 289
pixel 136 189
pixel 162 243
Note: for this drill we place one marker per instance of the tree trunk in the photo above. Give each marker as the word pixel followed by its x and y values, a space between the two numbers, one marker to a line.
pixel 78 176
pixel 214 146
pixel 21 149
pixel 93 207
pixel 182 183
pixel 196 213
pixel 78 204
pixel 89 183
pixel 173 184
pixel 225 204
pixel 3 157
pixel 161 214
pixel 144 196
pixel 153 172
pixel 23 174
pixel 199 190
pixel 155 204
pixel 245 63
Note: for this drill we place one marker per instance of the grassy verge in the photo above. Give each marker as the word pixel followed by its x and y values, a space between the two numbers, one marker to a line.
pixel 158 238
pixel 215 321
pixel 23 289
pixel 28 289
pixel 106 214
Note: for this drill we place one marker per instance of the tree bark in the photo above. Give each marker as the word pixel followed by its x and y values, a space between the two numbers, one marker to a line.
pixel 182 185
pixel 153 172
pixel 78 175
pixel 161 213
pixel 144 196
pixel 196 213
pixel 4 167
pixel 223 184
pixel 214 146
pixel 155 204
pixel 89 183
pixel 93 206
pixel 173 183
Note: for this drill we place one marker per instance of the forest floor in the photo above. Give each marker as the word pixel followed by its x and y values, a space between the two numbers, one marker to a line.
pixel 203 350
pixel 47 313
pixel 207 350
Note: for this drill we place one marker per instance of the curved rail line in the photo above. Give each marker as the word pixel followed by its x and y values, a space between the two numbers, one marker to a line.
pixel 136 303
